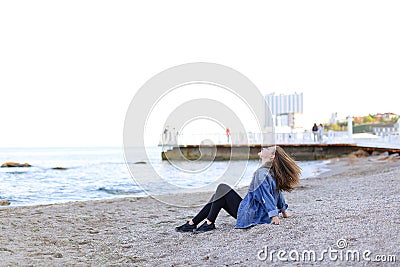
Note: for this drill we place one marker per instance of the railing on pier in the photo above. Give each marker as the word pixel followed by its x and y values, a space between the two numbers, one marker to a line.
pixel 307 137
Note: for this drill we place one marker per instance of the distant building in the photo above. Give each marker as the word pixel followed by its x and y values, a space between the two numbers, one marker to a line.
pixel 389 129
pixel 287 110
pixel 333 119
pixel 386 116
pixel 285 104
pixel 379 117
pixel 358 120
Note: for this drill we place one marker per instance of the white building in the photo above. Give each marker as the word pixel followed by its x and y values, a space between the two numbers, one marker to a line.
pixel 334 118
pixel 287 111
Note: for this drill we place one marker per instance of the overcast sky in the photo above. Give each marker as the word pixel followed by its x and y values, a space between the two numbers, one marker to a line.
pixel 69 69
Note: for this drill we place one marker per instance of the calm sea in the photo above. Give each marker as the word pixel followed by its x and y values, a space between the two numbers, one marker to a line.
pixel 98 173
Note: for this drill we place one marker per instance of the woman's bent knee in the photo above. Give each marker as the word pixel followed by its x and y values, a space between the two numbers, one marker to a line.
pixel 223 187
pixel 221 191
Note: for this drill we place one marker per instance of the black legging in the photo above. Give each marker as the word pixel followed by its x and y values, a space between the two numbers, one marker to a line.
pixel 224 198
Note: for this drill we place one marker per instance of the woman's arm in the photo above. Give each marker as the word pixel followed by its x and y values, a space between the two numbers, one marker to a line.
pixel 282 206
pixel 281 203
pixel 267 194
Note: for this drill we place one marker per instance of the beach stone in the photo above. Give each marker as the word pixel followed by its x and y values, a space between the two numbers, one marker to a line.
pixel 383 156
pixel 394 157
pixel 5 202
pixel 375 153
pixel 57 255
pixel 11 164
pixel 93 231
pixel 7 250
pixel 359 154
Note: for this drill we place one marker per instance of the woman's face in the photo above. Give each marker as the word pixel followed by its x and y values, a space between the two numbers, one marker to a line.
pixel 267 153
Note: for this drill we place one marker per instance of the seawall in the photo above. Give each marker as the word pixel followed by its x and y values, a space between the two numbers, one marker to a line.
pixel 301 152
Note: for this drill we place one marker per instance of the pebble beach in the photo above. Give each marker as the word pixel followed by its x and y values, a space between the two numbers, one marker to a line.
pixel 353 207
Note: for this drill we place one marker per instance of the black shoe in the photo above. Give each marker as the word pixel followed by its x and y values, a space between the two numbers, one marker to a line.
pixel 205 228
pixel 186 227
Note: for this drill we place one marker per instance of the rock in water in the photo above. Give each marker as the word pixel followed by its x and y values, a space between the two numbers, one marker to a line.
pixel 11 164
pixel 60 168
pixel 4 202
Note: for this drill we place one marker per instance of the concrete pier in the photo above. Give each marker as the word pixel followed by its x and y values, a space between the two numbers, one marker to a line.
pixel 301 152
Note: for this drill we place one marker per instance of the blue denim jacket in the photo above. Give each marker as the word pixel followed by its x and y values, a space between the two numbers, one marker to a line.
pixel 261 202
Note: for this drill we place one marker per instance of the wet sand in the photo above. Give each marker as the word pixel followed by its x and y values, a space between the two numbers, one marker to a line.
pixel 356 203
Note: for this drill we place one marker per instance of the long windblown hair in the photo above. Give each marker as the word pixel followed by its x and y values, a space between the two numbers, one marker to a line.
pixel 285 170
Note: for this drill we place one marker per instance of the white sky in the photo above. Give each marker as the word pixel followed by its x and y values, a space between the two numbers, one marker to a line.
pixel 69 69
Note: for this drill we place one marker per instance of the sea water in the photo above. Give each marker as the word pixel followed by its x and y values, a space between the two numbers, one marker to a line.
pixel 101 173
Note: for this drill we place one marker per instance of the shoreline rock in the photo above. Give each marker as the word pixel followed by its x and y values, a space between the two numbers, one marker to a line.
pixel 5 203
pixel 11 164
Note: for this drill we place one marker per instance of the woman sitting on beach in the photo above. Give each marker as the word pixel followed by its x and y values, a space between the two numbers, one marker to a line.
pixel 264 200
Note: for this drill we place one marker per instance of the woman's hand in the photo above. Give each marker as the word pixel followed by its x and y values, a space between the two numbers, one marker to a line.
pixel 275 220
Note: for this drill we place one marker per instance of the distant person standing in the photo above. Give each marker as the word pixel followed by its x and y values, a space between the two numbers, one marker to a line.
pixel 228 134
pixel 165 135
pixel 315 131
pixel 320 132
